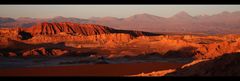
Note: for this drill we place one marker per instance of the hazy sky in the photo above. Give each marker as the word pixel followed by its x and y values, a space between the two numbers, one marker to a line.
pixel 120 11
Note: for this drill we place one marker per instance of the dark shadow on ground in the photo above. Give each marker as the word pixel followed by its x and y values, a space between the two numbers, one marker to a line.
pixel 136 33
pixel 25 35
pixel 226 65
pixel 185 52
pixel 19 47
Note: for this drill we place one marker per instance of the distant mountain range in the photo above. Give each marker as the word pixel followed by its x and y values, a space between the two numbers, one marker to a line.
pixel 182 22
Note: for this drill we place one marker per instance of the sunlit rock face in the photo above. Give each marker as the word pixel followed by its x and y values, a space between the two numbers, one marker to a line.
pixel 76 29
pixel 217 49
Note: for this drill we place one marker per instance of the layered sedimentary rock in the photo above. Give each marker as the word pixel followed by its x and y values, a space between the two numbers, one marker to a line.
pixel 50 35
pixel 72 28
pixel 77 29
pixel 117 42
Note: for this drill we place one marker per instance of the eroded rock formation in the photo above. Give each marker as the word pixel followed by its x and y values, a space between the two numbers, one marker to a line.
pixel 44 52
pixel 226 65
pixel 116 42
pixel 77 29
pixel 217 49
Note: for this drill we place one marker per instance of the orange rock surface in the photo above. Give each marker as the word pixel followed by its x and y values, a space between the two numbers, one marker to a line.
pixel 44 52
pixel 76 29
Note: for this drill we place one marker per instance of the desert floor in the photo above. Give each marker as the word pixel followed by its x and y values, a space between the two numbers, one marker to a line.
pixel 91 69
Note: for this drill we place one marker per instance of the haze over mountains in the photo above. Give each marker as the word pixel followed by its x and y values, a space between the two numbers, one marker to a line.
pixel 182 22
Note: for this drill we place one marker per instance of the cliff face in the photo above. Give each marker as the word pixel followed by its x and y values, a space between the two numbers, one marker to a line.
pixel 66 31
pixel 71 28
pixel 77 29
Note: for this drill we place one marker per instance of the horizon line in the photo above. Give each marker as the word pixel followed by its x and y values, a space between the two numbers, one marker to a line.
pixel 123 17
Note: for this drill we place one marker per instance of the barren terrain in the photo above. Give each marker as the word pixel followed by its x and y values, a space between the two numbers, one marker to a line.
pixel 65 45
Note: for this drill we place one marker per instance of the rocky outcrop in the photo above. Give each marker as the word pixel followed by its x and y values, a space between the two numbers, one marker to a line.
pixel 226 65
pixel 102 38
pixel 10 33
pixel 58 52
pixel 77 29
pixel 71 28
pixel 15 33
pixel 44 52
pixel 12 54
pixel 122 42
pixel 213 50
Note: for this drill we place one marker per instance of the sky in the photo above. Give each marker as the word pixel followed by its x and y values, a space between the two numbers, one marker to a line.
pixel 119 11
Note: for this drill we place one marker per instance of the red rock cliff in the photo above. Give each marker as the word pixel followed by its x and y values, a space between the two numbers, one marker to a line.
pixel 77 29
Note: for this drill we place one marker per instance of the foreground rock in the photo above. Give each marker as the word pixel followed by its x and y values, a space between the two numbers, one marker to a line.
pixel 226 65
